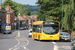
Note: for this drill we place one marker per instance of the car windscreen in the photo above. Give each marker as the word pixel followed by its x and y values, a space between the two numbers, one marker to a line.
pixel 65 34
pixel 50 29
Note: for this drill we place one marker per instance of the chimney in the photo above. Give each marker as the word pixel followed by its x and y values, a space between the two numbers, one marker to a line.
pixel 0 6
pixel 8 8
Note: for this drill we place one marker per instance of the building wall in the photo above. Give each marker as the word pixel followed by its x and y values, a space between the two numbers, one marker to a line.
pixel 8 18
pixel 11 18
pixel 3 17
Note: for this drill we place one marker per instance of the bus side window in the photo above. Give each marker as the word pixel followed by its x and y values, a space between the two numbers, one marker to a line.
pixel 34 28
pixel 37 28
pixel 40 27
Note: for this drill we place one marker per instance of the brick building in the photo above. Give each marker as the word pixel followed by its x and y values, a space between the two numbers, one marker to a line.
pixel 8 16
pixel 11 14
pixel 2 18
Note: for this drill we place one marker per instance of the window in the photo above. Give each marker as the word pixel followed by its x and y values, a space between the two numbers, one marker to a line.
pixel 37 28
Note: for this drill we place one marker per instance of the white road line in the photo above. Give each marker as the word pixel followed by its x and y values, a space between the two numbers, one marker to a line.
pixel 10 48
pixel 14 48
pixel 27 41
pixel 15 45
pixel 26 44
pixel 55 46
pixel 18 42
pixel 53 42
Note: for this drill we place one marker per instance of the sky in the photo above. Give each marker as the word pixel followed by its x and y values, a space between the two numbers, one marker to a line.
pixel 30 2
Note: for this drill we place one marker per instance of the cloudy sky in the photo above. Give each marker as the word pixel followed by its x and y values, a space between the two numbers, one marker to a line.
pixel 30 2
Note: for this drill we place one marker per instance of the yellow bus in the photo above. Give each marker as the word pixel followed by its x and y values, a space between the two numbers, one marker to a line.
pixel 48 30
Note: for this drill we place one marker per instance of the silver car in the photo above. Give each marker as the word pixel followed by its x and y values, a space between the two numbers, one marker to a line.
pixel 64 36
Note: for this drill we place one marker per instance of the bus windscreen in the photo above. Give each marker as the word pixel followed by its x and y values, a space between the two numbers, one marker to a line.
pixel 50 28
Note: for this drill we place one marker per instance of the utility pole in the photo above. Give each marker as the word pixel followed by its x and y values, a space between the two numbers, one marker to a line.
pixel 62 17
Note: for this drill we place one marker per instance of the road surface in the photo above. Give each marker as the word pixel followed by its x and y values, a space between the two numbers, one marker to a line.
pixel 15 42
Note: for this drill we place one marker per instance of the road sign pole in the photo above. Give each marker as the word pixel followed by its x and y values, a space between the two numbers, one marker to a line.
pixel 15 25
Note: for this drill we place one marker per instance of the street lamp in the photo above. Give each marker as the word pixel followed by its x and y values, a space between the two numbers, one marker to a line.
pixel 62 17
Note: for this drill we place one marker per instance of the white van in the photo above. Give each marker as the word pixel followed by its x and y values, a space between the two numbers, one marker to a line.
pixel 30 33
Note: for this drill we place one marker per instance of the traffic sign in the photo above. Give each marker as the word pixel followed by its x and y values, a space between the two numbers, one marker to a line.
pixel 15 24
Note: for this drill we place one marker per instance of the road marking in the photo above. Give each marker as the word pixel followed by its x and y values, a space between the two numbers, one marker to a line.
pixel 27 41
pixel 18 42
pixel 15 45
pixel 66 47
pixel 53 42
pixel 26 44
pixel 55 46
pixel 10 48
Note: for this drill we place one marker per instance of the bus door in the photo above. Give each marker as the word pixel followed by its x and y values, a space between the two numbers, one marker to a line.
pixel 37 31
pixel 38 35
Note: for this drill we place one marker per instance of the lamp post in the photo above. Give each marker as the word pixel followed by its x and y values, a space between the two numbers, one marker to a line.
pixel 62 17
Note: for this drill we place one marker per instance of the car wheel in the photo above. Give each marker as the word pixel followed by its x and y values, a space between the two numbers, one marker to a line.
pixel 29 36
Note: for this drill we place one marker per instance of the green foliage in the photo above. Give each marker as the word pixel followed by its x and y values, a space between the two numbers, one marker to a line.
pixel 69 15
pixel 17 7
pixel 53 8
pixel 50 8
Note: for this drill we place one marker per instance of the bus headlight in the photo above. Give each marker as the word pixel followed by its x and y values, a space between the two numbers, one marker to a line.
pixel 57 36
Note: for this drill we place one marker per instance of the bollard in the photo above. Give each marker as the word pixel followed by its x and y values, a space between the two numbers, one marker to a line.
pixel 18 33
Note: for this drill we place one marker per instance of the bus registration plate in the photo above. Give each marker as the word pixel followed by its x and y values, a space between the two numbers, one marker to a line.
pixel 50 39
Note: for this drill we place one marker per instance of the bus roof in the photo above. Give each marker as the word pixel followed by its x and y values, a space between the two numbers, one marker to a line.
pixel 40 22
pixel 37 23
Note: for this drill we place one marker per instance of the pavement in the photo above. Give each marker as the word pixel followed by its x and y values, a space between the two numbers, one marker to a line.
pixel 1 34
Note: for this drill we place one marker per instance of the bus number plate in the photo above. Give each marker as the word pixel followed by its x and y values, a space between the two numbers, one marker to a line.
pixel 50 39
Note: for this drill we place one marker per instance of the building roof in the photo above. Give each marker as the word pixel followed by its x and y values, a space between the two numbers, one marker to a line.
pixel 24 18
pixel 29 17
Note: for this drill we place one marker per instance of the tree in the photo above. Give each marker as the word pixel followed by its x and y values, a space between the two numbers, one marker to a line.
pixel 17 7
pixel 51 8
pixel 69 15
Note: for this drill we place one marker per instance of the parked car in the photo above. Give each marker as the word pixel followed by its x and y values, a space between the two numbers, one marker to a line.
pixel 7 32
pixel 30 33
pixel 65 36
pixel 22 28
